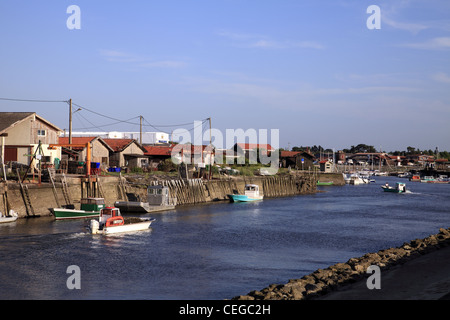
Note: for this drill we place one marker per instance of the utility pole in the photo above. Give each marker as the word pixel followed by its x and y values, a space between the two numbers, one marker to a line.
pixel 211 154
pixel 70 121
pixel 140 130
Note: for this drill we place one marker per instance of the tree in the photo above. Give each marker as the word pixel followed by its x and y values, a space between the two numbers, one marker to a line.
pixel 361 148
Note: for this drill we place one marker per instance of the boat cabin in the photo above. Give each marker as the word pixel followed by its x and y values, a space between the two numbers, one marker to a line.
pixel 159 196
pixel 111 214
pixel 401 187
pixel 251 190
pixel 92 204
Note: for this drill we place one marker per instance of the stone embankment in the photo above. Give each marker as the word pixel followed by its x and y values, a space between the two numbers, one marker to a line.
pixel 323 281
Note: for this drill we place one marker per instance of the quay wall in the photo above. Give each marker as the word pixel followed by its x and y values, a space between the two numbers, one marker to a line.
pixel 45 196
pixel 201 191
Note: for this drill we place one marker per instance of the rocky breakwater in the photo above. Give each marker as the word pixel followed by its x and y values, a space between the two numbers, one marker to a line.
pixel 323 281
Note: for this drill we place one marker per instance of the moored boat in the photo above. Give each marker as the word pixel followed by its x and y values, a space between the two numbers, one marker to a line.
pixel 158 199
pixel 111 221
pixel 251 194
pixel 9 218
pixel 324 183
pixel 89 207
pixel 427 179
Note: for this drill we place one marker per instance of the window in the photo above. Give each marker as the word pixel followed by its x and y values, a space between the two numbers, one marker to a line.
pixel 41 133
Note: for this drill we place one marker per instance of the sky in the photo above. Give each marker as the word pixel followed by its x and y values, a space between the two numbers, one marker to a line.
pixel 312 69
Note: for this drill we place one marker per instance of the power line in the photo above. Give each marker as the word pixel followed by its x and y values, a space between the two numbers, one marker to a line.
pixel 33 100
pixel 117 121
pixel 105 116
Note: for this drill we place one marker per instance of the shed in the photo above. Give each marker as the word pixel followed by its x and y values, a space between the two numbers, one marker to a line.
pixel 126 153
pixel 326 166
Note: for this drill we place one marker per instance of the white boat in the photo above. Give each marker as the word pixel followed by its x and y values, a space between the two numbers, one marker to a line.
pixel 10 218
pixel 111 221
pixel 427 179
pixel 251 194
pixel 355 179
pixel 405 175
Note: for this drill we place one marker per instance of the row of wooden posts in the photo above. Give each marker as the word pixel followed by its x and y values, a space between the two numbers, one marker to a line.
pixel 194 191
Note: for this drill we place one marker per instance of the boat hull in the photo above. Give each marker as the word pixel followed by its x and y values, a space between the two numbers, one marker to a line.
pixel 324 183
pixel 243 198
pixel 63 214
pixel 7 219
pixel 393 190
pixel 140 207
pixel 132 227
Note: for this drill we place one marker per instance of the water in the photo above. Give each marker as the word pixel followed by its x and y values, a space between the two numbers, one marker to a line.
pixel 217 251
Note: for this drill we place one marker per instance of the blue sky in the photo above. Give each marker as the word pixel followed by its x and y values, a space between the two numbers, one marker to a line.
pixel 311 69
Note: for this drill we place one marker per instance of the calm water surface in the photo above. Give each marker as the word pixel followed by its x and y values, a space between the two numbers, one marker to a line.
pixel 217 251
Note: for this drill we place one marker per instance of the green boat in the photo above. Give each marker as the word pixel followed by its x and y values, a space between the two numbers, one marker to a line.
pixel 90 207
pixel 400 187
pixel 324 183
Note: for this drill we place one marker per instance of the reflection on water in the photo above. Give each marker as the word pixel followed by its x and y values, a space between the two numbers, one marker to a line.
pixel 216 251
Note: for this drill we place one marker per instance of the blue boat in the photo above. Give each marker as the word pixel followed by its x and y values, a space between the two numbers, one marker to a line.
pixel 251 194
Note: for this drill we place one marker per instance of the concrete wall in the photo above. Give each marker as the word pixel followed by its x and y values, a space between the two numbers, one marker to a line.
pixel 112 189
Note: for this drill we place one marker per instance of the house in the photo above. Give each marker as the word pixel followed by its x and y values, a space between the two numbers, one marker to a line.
pixel 156 155
pixel 421 159
pixel 296 159
pixel 126 153
pixel 22 133
pixel 326 166
pixel 200 155
pixel 250 150
pixel 100 150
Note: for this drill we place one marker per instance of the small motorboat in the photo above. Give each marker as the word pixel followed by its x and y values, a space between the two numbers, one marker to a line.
pixel 324 183
pixel 400 187
pixel 111 221
pixel 89 207
pixel 10 218
pixel 251 194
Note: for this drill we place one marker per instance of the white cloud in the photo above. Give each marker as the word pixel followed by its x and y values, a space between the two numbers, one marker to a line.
pixel 411 27
pixel 246 40
pixel 439 43
pixel 164 64
pixel 139 61
pixel 441 77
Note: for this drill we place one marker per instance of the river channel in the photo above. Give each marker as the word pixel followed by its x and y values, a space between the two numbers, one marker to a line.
pixel 217 250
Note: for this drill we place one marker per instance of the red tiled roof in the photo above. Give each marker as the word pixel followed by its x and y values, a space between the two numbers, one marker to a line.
pixel 76 140
pixel 288 154
pixel 118 144
pixel 190 148
pixel 158 151
pixel 252 146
